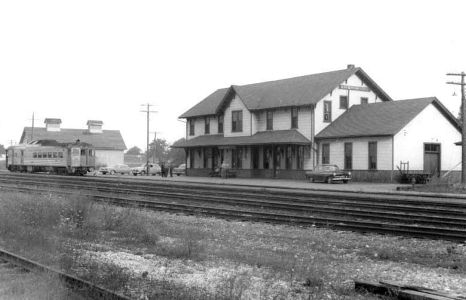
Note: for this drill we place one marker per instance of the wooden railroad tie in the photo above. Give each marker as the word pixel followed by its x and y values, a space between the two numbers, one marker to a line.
pixel 404 292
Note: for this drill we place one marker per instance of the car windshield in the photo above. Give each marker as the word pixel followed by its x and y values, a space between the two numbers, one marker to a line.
pixel 327 168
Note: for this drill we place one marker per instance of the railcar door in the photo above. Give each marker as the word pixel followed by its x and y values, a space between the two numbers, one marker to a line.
pixel 75 157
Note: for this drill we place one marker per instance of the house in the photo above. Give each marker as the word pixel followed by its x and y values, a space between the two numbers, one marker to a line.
pixel 109 144
pixel 279 129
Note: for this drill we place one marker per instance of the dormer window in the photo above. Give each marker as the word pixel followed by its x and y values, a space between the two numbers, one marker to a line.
pixel 207 125
pixel 269 120
pixel 237 121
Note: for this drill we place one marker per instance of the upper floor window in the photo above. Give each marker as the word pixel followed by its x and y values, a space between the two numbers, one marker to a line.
pixel 191 127
pixel 372 155
pixel 294 117
pixel 364 100
pixel 207 125
pixel 343 102
pixel 328 111
pixel 269 120
pixel 237 121
pixel 220 124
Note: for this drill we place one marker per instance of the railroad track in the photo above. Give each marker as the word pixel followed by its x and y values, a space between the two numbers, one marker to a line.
pixel 20 267
pixel 428 217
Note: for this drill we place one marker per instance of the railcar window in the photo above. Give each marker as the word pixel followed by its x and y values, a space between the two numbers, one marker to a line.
pixel 91 152
pixel 39 154
pixel 75 151
pixel 34 154
pixel 49 155
pixel 60 154
pixel 83 152
pixel 55 154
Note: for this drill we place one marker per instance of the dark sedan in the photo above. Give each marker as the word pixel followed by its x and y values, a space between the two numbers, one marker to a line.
pixel 329 174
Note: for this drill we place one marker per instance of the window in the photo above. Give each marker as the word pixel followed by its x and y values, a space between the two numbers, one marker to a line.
pixel 432 148
pixel 49 155
pixel 364 100
pixel 220 124
pixel 325 153
pixel 237 121
pixel 348 156
pixel 269 120
pixel 289 157
pixel 55 154
pixel 60 154
pixel 39 154
pixel 328 111
pixel 255 157
pixel 191 127
pixel 294 117
pixel 372 155
pixel 343 102
pixel 267 157
pixel 83 152
pixel 207 125
pixel 34 154
pixel 300 157
pixel 236 158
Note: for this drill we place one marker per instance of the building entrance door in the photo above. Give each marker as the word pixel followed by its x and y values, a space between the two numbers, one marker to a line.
pixel 432 159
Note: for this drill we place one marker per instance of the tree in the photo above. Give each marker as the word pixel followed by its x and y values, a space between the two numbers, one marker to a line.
pixel 134 151
pixel 177 155
pixel 159 153
pixel 2 149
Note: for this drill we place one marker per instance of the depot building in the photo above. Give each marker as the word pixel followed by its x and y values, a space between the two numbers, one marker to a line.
pixel 280 129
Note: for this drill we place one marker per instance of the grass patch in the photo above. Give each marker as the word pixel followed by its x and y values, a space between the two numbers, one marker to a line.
pixel 171 256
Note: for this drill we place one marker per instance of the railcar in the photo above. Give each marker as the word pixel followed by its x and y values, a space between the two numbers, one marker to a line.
pixel 76 158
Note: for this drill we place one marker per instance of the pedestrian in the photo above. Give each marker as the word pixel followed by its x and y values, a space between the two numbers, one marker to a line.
pixel 171 169
pixel 162 169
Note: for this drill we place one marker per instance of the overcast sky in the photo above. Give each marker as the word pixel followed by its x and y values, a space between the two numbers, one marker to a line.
pixel 81 60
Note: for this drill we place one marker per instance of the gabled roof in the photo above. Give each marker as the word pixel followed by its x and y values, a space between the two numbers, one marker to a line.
pixel 296 91
pixel 277 137
pixel 381 119
pixel 108 139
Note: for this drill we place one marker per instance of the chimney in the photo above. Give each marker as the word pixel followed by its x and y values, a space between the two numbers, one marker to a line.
pixel 350 67
pixel 52 124
pixel 94 126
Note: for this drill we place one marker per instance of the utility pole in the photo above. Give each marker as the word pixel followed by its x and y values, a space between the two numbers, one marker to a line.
pixel 147 111
pixel 32 128
pixel 463 124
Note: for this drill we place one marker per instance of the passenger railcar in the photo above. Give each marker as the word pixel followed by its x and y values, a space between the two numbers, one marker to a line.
pixel 50 156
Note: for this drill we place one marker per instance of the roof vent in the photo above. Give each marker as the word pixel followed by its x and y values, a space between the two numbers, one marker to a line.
pixel 52 124
pixel 94 126
pixel 350 66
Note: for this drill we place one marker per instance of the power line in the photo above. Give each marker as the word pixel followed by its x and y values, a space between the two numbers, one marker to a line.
pixel 147 111
pixel 463 123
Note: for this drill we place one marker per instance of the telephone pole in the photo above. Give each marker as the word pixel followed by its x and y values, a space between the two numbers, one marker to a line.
pixel 463 124
pixel 32 128
pixel 147 111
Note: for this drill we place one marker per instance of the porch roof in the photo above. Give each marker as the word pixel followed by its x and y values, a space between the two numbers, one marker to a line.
pixel 260 138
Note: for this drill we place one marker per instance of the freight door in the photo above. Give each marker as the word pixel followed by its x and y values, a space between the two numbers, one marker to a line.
pixel 432 159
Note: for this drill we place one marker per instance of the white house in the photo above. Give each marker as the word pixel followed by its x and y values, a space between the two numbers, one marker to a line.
pixel 109 144
pixel 279 129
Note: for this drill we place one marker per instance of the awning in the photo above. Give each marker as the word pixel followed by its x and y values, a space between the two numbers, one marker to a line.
pixel 292 137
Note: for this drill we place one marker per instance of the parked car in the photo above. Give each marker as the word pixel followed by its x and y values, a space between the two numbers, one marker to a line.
pixel 329 174
pixel 154 169
pixel 180 170
pixel 119 168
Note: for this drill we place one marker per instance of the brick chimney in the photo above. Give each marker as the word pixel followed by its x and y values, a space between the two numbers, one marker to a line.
pixel 52 124
pixel 350 66
pixel 94 126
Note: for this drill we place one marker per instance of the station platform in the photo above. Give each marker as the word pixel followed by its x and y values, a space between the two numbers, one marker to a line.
pixel 285 183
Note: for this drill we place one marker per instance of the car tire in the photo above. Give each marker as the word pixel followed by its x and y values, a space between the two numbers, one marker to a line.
pixel 345 181
pixel 135 174
pixel 143 173
pixel 112 172
pixel 329 180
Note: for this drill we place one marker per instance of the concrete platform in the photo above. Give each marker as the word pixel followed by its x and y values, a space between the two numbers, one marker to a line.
pixel 280 183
